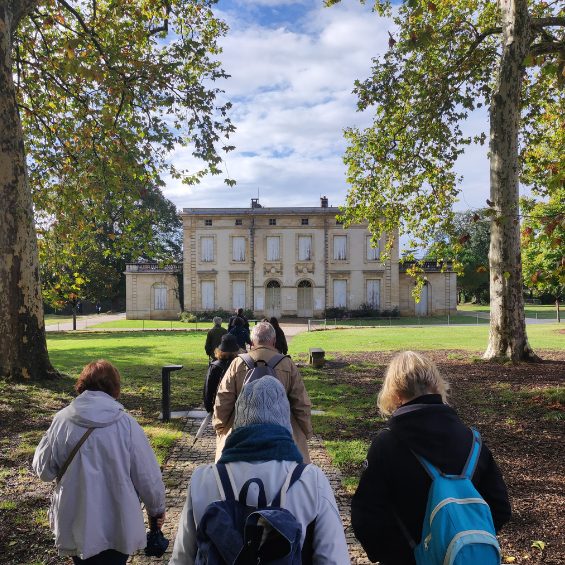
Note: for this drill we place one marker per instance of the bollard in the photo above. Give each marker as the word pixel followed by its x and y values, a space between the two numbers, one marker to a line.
pixel 166 384
pixel 309 325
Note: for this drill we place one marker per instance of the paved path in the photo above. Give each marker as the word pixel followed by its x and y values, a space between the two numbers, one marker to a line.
pixel 183 460
pixel 84 321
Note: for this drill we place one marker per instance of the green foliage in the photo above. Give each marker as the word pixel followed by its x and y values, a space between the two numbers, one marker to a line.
pixel 364 310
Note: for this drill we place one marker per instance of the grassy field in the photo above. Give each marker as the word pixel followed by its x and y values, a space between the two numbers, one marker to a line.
pixel 403 321
pixel 543 311
pixel 154 324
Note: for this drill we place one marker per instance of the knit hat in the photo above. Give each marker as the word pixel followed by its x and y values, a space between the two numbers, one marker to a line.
pixel 229 344
pixel 262 401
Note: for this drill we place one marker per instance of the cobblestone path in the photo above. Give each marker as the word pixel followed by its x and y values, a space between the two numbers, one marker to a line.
pixel 183 461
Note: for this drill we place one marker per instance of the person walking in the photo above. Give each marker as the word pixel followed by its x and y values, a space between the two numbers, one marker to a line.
pixel 98 307
pixel 394 485
pixel 241 334
pixel 280 338
pixel 263 349
pixel 214 337
pixel 224 354
pixel 95 511
pixel 238 314
pixel 261 447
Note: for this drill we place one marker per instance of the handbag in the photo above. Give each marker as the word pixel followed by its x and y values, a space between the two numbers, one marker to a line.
pixel 72 455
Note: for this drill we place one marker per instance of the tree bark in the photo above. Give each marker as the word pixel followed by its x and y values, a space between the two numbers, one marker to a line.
pixel 23 348
pixel 507 338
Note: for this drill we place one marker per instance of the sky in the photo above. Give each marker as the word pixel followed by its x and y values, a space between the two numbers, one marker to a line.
pixel 293 64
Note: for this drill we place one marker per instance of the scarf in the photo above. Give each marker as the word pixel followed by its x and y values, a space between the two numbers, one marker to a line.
pixel 260 442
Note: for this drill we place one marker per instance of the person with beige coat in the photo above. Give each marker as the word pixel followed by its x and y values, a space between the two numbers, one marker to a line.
pixel 263 348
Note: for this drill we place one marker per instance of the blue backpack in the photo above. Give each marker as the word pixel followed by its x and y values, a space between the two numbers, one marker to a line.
pixel 232 533
pixel 458 527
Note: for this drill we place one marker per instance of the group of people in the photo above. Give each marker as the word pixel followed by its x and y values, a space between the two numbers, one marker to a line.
pixel 262 426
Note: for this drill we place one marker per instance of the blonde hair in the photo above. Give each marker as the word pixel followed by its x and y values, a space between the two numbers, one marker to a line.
pixel 410 375
pixel 219 354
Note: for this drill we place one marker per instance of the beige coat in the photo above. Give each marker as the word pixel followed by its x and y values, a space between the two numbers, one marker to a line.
pixel 288 375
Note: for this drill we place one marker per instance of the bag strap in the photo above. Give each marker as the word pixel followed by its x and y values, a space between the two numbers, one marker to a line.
pixel 404 529
pixel 248 360
pixel 224 482
pixel 473 459
pixel 262 499
pixel 72 455
pixel 292 477
pixel 275 360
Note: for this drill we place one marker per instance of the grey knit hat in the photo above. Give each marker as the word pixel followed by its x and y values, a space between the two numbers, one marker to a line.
pixel 262 401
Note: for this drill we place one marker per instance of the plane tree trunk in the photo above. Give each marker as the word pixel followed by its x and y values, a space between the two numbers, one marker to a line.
pixel 23 348
pixel 507 338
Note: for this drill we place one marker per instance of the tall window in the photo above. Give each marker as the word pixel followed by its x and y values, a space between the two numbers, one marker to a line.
pixel 304 248
pixel 238 288
pixel 340 247
pixel 340 294
pixel 273 251
pixel 208 295
pixel 160 290
pixel 238 249
pixel 372 252
pixel 374 293
pixel 207 248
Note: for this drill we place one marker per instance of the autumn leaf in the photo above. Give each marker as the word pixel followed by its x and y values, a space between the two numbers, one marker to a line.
pixel 465 237
pixel 495 278
pixel 481 269
pixel 432 7
pixel 506 275
pixel 491 204
pixel 539 545
pixel 391 41
pixel 413 37
pixel 112 236
pixel 476 218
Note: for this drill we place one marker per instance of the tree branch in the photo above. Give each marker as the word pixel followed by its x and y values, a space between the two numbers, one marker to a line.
pixel 20 9
pixel 480 38
pixel 547 47
pixel 539 23
pixel 165 26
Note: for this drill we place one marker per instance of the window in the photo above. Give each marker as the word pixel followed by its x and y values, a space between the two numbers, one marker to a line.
pixel 238 249
pixel 374 293
pixel 207 249
pixel 340 247
pixel 239 222
pixel 208 295
pixel 339 222
pixel 372 252
pixel 207 222
pixel 304 221
pixel 272 221
pixel 340 294
pixel 160 296
pixel 304 248
pixel 273 251
pixel 238 288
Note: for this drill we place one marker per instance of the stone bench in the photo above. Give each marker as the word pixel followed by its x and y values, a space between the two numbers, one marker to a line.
pixel 317 357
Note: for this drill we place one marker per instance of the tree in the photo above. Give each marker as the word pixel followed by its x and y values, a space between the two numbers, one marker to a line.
pixel 445 60
pixel 105 91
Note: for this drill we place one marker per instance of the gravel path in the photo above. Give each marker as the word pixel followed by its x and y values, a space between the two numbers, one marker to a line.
pixel 183 460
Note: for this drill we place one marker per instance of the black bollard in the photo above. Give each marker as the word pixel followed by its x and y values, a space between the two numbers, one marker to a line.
pixel 166 380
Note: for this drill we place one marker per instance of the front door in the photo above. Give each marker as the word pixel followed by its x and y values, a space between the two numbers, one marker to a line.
pixel 421 308
pixel 273 299
pixel 305 300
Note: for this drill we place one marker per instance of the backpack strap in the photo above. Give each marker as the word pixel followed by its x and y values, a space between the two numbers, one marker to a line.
pixel 473 459
pixel 275 360
pixel 292 477
pixel 262 500
pixel 248 360
pixel 224 481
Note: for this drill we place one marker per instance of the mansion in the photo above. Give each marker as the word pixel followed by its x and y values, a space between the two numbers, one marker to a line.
pixel 281 262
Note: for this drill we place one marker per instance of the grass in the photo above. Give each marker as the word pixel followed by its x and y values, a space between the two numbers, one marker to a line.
pixel 543 311
pixel 405 321
pixel 154 324
pixel 395 339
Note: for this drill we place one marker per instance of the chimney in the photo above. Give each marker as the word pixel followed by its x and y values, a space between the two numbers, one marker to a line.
pixel 255 203
pixel 324 202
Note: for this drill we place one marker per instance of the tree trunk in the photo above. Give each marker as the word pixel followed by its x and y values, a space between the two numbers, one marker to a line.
pixel 23 349
pixel 507 338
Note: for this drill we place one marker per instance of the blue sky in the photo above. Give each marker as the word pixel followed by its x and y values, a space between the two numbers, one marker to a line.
pixel 293 65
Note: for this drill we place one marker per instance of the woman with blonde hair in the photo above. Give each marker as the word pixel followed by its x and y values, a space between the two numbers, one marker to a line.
pixel 394 483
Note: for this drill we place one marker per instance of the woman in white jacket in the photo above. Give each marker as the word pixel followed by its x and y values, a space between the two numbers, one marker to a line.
pixel 261 446
pixel 95 511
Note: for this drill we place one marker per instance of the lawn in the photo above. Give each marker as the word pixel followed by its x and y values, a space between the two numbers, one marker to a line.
pixel 402 321
pixel 154 324
pixel 518 409
pixel 543 311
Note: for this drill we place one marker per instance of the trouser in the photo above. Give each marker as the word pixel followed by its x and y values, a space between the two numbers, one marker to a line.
pixel 108 557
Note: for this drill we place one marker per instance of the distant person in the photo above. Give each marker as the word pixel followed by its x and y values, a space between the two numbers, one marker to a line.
pixel 98 308
pixel 79 307
pixel 394 481
pixel 242 335
pixel 263 349
pixel 238 314
pixel 224 354
pixel 95 511
pixel 214 337
pixel 280 339
pixel 261 447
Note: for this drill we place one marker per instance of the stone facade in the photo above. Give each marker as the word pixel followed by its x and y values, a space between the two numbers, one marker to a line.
pixel 282 262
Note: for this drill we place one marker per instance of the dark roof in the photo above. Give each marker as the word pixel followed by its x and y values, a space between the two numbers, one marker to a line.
pixel 218 211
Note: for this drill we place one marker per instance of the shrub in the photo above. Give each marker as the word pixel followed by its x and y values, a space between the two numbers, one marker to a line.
pixel 206 316
pixel 338 313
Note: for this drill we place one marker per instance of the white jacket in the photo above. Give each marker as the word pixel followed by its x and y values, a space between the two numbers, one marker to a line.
pixel 310 498
pixel 96 505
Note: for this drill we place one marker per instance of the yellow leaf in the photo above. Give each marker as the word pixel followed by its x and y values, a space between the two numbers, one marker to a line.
pixel 112 236
pixel 510 559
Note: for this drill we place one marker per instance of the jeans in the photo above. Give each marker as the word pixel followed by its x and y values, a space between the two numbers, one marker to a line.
pixel 108 557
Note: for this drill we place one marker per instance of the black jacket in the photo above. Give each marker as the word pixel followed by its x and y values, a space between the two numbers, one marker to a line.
pixel 245 322
pixel 216 371
pixel 242 336
pixel 280 341
pixel 393 477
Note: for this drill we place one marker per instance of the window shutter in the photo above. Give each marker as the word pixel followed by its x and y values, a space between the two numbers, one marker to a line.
pixel 304 248
pixel 372 252
pixel 273 253
pixel 207 244
pixel 238 244
pixel 340 247
pixel 238 294
pixel 374 293
pixel 340 294
pixel 160 296
pixel 208 295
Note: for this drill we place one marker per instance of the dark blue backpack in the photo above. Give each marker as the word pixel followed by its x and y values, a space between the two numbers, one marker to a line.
pixel 232 533
pixel 458 527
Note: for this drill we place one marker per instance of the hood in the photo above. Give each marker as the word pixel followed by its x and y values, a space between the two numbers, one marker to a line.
pixel 431 429
pixel 94 409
